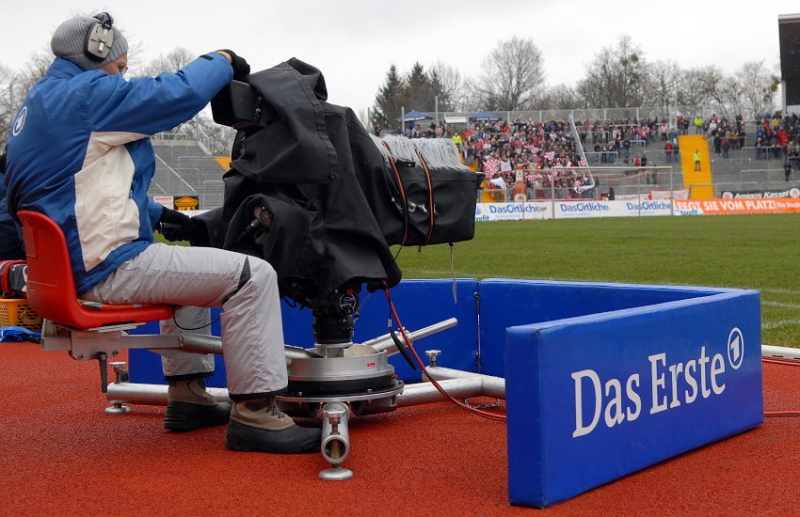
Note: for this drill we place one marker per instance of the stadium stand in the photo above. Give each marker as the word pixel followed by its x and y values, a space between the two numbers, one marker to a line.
pixel 754 158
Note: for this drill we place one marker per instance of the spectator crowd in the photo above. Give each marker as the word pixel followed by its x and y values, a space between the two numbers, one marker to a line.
pixel 545 151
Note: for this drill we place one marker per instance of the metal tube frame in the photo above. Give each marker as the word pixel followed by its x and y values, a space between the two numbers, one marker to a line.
pixel 335 411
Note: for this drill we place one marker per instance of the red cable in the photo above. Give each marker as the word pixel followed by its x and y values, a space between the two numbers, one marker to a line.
pixel 485 414
pixel 402 192
pixel 431 204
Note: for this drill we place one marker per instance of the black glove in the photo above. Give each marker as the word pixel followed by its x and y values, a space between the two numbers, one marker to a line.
pixel 175 225
pixel 240 67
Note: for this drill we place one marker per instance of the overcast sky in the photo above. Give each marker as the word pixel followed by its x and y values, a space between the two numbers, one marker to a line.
pixel 354 42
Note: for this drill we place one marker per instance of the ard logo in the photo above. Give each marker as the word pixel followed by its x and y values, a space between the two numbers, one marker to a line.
pixel 187 203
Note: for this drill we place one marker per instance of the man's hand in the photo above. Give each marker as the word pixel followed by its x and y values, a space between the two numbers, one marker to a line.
pixel 241 68
pixel 175 225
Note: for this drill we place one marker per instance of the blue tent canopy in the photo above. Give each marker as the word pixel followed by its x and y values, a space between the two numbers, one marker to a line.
pixel 413 115
pixel 484 115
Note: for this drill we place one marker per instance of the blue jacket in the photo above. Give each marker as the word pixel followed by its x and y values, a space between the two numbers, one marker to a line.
pixel 79 152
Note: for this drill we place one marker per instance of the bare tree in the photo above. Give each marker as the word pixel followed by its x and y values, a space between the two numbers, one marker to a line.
pixel 559 97
pixel 730 98
pixel 14 87
pixel 172 62
pixel 661 89
pixel 449 84
pixel 37 67
pixel 472 96
pixel 6 103
pixel 216 137
pixel 513 76
pixel 697 85
pixel 758 86
pixel 616 78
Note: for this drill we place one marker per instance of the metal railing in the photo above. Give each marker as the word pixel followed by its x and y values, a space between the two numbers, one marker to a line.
pixel 688 112
pixel 626 181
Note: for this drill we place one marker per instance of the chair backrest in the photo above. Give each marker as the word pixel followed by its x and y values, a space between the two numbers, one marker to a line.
pixel 51 290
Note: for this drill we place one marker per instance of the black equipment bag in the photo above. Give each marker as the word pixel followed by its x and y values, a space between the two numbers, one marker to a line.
pixel 431 200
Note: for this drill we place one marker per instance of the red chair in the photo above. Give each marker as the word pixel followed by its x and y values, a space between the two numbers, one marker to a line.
pixel 86 333
pixel 51 288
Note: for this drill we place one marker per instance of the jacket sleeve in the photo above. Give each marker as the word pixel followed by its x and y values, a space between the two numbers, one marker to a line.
pixel 154 211
pixel 149 105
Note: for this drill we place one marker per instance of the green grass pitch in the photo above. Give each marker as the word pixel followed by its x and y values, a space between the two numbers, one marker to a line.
pixel 759 252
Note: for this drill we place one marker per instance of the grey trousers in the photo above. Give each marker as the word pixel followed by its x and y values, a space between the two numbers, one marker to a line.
pixel 197 279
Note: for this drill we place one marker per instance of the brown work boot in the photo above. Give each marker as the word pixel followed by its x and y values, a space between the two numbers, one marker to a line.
pixel 260 425
pixel 191 407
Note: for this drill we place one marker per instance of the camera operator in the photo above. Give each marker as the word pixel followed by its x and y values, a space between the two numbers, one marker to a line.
pixel 79 152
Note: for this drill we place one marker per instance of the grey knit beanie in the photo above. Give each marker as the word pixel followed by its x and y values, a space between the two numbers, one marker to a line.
pixel 69 42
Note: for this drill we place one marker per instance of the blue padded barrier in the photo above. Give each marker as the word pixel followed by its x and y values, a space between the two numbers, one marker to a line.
pixel 596 397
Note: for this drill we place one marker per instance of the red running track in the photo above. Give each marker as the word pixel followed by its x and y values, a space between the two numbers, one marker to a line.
pixel 61 455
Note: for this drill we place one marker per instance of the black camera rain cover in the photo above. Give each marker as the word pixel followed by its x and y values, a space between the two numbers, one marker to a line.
pixel 337 204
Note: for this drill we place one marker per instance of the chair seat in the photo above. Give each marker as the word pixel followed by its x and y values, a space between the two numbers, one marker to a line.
pixel 79 317
pixel 51 288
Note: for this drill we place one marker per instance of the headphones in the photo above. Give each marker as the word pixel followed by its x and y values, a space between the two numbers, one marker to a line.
pixel 99 38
